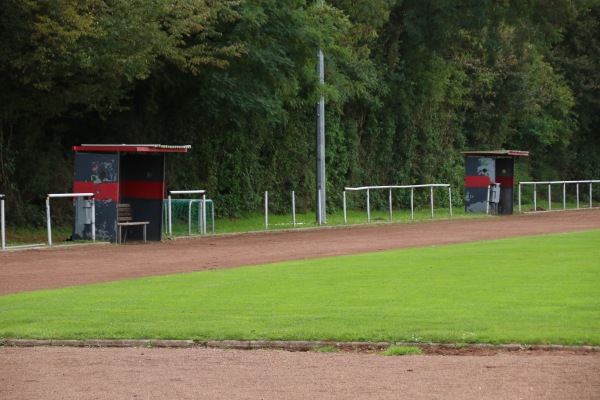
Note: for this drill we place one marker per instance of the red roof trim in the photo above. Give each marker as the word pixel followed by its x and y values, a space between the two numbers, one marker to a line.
pixel 132 148
pixel 497 153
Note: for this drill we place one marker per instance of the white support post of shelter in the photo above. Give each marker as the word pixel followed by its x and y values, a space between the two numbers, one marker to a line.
pixel 71 195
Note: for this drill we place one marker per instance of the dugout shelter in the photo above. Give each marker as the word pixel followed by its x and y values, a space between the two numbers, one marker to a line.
pixel 490 180
pixel 121 174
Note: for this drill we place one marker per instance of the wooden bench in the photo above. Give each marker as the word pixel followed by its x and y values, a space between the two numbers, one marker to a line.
pixel 125 219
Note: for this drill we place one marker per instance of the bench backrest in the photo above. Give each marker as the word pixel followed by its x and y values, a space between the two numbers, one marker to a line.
pixel 124 213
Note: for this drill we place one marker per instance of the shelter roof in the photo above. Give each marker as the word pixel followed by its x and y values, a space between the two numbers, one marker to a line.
pixel 496 153
pixel 132 148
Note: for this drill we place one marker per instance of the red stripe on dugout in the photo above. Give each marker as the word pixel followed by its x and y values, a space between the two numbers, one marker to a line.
pixel 102 191
pixel 477 181
pixel 506 181
pixel 143 189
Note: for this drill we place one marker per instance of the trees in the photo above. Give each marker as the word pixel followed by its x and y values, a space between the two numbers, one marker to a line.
pixel 64 58
pixel 409 85
pixel 577 59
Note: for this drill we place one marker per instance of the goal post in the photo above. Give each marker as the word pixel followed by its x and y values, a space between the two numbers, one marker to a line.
pixel 180 211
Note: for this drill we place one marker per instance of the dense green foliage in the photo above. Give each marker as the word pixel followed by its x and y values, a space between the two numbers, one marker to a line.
pixel 543 290
pixel 409 85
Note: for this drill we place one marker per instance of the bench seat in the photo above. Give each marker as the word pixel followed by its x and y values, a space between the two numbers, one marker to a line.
pixel 125 219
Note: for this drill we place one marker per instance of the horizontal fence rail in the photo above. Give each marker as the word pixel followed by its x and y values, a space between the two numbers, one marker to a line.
pixel 203 211
pixel 431 186
pixel 72 195
pixel 564 191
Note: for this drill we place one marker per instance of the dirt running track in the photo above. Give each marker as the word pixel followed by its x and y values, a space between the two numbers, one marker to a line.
pixel 141 373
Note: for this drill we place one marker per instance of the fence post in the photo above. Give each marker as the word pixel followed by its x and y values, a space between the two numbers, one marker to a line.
pixel 2 222
pixel 534 197
pixel 519 197
pixel 48 221
pixel 564 196
pixel 368 206
pixel 431 197
pixel 577 194
pixel 487 203
pixel 190 217
pixel 390 205
pixel 412 203
pixel 590 194
pixel 549 197
pixel 344 197
pixel 450 199
pixel 169 216
pixel 204 213
pixel 266 210
pixel 93 219
pixel 200 222
pixel 293 208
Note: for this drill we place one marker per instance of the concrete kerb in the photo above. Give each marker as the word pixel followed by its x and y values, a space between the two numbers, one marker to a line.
pixel 286 345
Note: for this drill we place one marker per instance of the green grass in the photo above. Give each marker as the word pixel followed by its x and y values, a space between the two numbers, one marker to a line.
pixel 256 222
pixel 25 236
pixel 247 223
pixel 326 349
pixel 556 205
pixel 401 351
pixel 535 290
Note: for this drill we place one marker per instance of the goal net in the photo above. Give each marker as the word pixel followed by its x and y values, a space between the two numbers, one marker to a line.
pixel 187 218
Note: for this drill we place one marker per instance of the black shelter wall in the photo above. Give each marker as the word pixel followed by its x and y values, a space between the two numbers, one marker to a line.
pixel 142 185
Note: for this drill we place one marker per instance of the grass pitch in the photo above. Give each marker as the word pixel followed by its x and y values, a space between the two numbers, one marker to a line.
pixel 535 290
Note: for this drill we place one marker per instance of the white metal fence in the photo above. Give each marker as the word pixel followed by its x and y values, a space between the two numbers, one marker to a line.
pixel 564 191
pixel 63 195
pixel 293 198
pixel 412 188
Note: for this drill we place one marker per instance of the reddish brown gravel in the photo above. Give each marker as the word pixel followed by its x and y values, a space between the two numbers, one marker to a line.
pixel 131 373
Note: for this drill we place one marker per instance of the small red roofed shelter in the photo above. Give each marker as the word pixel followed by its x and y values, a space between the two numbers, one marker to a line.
pixel 121 174
pixel 490 172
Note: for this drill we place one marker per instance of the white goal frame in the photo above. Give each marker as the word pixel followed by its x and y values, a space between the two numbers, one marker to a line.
pixel 203 202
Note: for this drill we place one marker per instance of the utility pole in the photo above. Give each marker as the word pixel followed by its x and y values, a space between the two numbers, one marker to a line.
pixel 320 192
